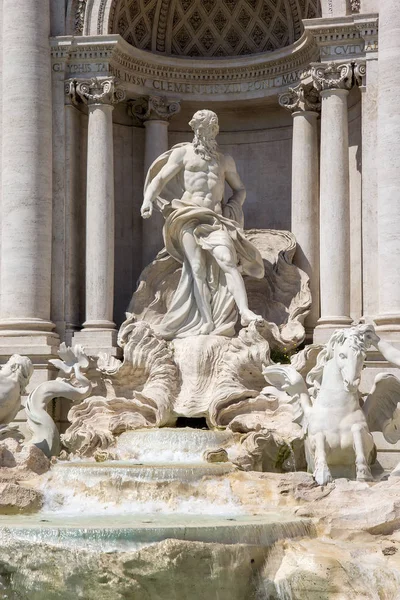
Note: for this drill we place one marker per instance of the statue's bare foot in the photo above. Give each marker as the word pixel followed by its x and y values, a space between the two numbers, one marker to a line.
pixel 248 316
pixel 206 328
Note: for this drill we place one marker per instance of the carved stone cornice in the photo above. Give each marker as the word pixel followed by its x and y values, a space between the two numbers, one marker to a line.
pixel 145 74
pixel 97 90
pixel 300 98
pixel 154 108
pixel 332 76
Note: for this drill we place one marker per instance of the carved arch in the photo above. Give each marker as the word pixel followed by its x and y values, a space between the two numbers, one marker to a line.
pixel 96 17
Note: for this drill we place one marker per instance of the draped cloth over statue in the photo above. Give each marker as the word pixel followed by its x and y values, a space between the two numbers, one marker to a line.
pixel 181 316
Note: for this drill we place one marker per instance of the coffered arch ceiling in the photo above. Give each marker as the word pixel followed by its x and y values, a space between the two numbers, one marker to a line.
pixel 210 28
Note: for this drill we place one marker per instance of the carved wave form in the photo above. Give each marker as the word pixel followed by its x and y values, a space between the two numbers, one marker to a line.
pixel 137 392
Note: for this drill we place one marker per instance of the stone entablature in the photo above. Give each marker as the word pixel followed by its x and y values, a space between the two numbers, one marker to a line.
pixel 145 74
pixel 344 37
pixel 241 78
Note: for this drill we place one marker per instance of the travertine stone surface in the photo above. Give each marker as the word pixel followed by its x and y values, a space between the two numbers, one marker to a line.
pixel 388 161
pixel 305 106
pixel 369 112
pixel 25 279
pixel 155 113
pixel 100 95
pixel 333 81
pixel 73 243
pixel 156 143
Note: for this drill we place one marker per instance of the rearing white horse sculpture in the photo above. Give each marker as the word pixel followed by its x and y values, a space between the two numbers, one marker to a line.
pixel 336 421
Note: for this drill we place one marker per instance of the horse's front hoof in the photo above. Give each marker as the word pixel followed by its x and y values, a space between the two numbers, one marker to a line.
pixel 322 475
pixel 364 473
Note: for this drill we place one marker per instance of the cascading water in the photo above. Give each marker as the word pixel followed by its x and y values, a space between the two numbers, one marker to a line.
pixel 97 518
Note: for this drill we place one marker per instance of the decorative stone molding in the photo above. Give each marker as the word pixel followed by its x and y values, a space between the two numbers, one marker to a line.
pixel 355 6
pixel 146 74
pixel 205 27
pixel 300 98
pixel 154 107
pixel 368 30
pixel 343 38
pixel 332 76
pixel 80 17
pixel 360 72
pixel 96 90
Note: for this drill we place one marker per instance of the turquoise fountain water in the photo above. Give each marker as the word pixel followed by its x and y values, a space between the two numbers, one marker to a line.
pixel 118 529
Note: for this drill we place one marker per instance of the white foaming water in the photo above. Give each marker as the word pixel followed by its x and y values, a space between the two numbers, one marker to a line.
pixel 122 489
pixel 168 445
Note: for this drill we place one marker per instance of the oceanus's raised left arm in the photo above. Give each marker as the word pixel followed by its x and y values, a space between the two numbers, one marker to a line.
pixel 233 208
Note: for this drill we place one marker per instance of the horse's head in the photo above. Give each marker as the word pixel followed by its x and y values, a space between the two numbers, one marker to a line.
pixel 349 354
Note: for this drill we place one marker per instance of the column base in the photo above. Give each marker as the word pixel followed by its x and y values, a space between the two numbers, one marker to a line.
pixel 388 327
pixel 326 326
pixel 98 341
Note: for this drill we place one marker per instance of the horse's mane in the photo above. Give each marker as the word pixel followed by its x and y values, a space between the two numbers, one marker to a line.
pixel 356 337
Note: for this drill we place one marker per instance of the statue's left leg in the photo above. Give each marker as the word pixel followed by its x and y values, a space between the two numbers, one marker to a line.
pixel 362 440
pixel 227 262
pixel 322 474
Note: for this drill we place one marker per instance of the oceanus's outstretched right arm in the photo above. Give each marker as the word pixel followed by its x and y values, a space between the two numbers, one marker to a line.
pixel 169 170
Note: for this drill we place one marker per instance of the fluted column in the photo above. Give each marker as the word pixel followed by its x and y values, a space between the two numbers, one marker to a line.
pixel 26 228
pixel 155 112
pixel 304 104
pixel 333 81
pixel 100 95
pixel 388 162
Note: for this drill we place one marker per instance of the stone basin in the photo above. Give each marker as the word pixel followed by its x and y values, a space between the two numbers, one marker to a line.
pixel 130 532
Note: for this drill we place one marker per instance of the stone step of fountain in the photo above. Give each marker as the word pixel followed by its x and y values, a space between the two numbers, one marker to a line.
pixel 124 471
pixel 173 445
pixel 122 533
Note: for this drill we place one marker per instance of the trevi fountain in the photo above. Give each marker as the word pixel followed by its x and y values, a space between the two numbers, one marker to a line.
pixel 199 300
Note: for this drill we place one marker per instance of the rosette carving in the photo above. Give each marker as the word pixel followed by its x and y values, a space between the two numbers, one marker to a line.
pixel 96 90
pixel 332 76
pixel 300 98
pixel 154 107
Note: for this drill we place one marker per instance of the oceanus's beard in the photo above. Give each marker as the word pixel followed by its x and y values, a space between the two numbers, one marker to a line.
pixel 206 147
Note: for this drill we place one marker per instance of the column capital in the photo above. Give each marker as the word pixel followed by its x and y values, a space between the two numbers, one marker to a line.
pixel 97 90
pixel 332 76
pixel 360 72
pixel 150 108
pixel 300 99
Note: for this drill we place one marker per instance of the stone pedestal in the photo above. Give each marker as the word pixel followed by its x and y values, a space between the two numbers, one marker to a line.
pixel 99 333
pixel 333 81
pixel 304 104
pixel 388 163
pixel 155 112
pixel 26 224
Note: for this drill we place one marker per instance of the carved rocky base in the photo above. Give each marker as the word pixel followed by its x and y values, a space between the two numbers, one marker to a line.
pixel 214 377
pixel 218 377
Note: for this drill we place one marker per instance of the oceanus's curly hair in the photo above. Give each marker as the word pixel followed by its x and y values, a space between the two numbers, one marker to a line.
pixel 205 126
